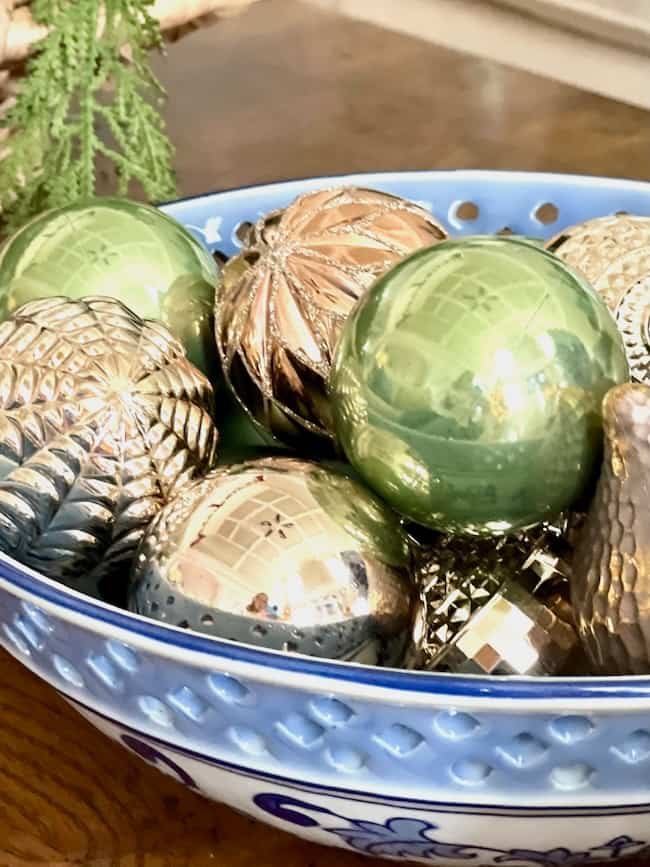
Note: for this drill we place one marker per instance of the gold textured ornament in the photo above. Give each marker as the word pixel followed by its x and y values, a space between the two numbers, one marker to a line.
pixel 613 253
pixel 102 420
pixel 633 320
pixel 611 565
pixel 283 554
pixel 496 606
pixel 281 303
pixel 512 634
pixel 610 252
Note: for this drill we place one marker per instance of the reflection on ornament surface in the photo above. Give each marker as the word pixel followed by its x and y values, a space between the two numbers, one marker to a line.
pixel 484 362
pixel 284 554
pixel 122 249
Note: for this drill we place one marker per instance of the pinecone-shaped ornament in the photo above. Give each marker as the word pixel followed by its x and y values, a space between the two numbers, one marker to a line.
pixel 102 420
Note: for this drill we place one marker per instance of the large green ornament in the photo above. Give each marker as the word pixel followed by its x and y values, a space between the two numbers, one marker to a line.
pixel 467 385
pixel 123 249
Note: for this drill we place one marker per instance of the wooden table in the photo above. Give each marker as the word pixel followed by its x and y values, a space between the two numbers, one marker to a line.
pixel 284 91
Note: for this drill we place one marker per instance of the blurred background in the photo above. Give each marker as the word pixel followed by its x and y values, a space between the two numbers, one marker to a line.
pixel 290 88
pixel 592 43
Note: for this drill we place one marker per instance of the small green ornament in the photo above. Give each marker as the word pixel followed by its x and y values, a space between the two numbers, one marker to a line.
pixel 115 247
pixel 467 385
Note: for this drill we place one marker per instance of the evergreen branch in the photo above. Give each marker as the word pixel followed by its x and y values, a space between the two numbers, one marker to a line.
pixel 86 101
pixel 49 158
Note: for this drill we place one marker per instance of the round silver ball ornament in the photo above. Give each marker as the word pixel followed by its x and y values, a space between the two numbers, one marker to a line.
pixel 284 554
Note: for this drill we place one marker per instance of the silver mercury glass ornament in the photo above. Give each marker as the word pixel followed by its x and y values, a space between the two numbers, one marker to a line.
pixel 284 554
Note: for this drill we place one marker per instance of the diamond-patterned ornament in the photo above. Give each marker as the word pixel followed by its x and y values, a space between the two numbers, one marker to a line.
pixel 608 251
pixel 475 591
pixel 513 633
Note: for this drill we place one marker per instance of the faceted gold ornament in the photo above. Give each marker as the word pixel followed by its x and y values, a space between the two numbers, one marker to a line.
pixel 102 420
pixel 512 634
pixel 495 606
pixel 613 253
pixel 281 303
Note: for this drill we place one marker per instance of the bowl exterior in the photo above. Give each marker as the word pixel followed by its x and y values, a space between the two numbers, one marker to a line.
pixel 413 767
pixel 415 777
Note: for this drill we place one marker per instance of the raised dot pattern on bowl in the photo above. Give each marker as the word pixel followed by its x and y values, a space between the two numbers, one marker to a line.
pixel 294 732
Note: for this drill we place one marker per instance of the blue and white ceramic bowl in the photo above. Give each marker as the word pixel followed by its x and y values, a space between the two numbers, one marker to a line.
pixel 413 766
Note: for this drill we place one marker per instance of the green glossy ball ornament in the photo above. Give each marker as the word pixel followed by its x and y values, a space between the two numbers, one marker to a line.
pixel 467 385
pixel 122 249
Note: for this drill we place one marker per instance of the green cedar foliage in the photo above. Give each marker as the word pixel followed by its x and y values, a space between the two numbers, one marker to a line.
pixel 89 98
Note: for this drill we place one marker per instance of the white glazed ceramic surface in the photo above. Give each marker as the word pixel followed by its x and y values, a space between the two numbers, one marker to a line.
pixel 413 766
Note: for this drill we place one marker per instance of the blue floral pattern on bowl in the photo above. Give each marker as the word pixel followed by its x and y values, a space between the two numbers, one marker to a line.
pixel 415 839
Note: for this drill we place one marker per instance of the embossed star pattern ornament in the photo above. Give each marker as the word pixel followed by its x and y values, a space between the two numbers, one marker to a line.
pixel 280 305
pixel 102 420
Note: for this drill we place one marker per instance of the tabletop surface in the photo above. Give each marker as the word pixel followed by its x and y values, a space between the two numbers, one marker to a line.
pixel 283 91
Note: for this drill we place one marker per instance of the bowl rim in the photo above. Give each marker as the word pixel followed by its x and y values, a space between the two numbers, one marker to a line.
pixel 465 689
pixel 499 176
pixel 570 690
